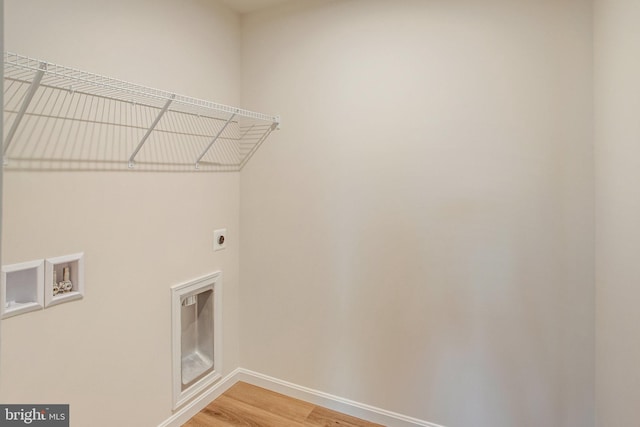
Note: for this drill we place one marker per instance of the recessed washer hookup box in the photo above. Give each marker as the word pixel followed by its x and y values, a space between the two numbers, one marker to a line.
pixel 34 415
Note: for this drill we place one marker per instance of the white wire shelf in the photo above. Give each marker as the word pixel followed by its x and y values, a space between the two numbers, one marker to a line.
pixel 58 117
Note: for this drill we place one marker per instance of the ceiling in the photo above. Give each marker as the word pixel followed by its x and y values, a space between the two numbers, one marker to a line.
pixel 246 6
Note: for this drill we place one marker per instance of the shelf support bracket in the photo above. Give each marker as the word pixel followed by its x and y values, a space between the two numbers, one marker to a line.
pixel 213 141
pixel 247 131
pixel 255 147
pixel 151 128
pixel 35 84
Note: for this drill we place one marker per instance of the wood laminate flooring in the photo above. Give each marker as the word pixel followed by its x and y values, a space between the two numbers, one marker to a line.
pixel 245 405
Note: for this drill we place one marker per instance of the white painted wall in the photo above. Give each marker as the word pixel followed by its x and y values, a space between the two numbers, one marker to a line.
pixel 419 235
pixel 617 143
pixel 109 354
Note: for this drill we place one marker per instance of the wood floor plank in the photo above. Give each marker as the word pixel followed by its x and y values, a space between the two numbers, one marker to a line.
pixel 245 405
pixel 206 418
pixel 276 403
pixel 323 417
pixel 238 413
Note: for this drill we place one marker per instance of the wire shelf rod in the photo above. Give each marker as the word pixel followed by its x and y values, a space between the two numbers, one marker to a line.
pixel 23 108
pixel 77 91
pixel 215 138
pixel 146 135
pixel 64 117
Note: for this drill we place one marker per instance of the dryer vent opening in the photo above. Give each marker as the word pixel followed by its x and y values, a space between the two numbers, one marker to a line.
pixel 196 338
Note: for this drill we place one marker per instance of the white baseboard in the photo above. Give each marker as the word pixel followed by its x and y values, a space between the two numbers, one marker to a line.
pixel 346 406
pixel 183 415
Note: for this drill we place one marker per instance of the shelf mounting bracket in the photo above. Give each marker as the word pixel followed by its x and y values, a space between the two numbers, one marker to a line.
pixel 151 128
pixel 215 138
pixel 35 84
pixel 255 147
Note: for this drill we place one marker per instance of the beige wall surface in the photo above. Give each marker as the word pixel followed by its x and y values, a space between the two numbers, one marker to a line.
pixel 109 354
pixel 419 235
pixel 617 143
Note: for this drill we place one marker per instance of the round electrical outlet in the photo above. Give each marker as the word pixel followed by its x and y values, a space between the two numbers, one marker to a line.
pixel 220 239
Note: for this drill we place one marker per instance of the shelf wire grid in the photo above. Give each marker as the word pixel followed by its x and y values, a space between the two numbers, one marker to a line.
pixel 74 120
